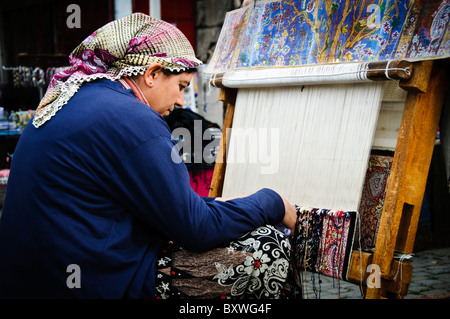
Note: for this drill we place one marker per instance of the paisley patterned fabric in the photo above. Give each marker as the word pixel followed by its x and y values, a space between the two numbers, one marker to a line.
pixel 121 48
pixel 323 241
pixel 336 244
pixel 255 266
pixel 372 199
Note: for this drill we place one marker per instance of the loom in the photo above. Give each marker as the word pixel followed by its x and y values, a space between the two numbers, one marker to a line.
pixel 324 118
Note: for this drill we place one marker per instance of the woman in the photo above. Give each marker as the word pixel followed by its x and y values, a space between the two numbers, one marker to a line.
pixel 94 195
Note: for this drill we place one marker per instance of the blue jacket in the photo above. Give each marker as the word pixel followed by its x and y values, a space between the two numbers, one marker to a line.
pixel 96 188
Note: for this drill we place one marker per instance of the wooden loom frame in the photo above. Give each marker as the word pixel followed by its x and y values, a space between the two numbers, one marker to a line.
pixel 406 185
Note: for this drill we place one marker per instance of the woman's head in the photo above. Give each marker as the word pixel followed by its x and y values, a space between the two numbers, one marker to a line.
pixel 163 88
pixel 122 48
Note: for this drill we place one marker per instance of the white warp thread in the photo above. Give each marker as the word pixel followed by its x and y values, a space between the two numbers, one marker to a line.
pixel 292 76
pixel 311 144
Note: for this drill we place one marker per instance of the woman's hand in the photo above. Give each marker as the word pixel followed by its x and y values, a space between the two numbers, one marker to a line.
pixel 290 215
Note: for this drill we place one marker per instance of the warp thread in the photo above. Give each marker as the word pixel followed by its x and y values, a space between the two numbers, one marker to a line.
pixel 401 256
pixel 313 74
pixel 321 135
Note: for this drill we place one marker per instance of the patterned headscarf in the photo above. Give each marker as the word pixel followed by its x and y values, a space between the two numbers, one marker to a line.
pixel 121 48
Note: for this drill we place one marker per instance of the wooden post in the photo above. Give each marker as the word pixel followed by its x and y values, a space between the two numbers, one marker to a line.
pixel 228 96
pixel 359 272
pixel 407 181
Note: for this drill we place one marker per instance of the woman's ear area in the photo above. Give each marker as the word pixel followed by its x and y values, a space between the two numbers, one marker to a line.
pixel 152 72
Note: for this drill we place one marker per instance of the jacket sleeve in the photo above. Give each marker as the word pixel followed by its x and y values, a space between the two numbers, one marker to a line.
pixel 153 183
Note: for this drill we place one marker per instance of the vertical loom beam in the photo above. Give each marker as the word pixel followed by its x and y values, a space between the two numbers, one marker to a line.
pixel 228 97
pixel 407 181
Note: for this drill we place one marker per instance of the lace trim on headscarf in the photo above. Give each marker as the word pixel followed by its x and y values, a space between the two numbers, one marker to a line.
pixel 70 87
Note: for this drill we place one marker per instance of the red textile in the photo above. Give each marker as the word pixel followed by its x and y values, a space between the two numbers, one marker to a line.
pixel 201 181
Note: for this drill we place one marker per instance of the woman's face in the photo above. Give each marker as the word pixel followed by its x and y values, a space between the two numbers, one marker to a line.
pixel 167 91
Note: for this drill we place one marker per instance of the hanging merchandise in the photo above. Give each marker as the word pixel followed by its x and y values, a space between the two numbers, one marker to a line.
pixel 372 199
pixel 26 76
pixel 38 77
pixel 21 76
pixel 323 242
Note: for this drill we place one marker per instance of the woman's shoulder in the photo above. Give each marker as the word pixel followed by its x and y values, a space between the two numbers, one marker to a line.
pixel 109 98
pixel 106 106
